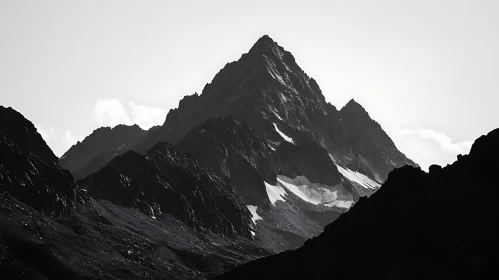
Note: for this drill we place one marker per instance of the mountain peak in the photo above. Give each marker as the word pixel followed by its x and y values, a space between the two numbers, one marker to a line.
pixel 352 103
pixel 353 106
pixel 263 44
pixel 265 40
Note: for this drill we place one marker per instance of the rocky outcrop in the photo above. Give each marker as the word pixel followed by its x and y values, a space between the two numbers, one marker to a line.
pixel 29 170
pixel 167 181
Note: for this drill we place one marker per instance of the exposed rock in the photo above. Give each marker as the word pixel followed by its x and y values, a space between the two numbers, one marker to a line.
pixel 29 170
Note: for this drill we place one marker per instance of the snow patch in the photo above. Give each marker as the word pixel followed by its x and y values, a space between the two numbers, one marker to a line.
pixel 317 194
pixel 255 217
pixel 287 138
pixel 358 178
pixel 340 204
pixel 275 193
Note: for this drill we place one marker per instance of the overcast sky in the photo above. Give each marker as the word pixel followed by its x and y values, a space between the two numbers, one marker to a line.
pixel 427 71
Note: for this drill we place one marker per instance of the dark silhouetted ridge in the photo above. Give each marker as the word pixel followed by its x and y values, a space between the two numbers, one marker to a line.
pixel 417 226
pixel 97 149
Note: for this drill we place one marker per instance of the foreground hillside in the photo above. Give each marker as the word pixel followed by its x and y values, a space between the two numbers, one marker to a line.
pixel 438 225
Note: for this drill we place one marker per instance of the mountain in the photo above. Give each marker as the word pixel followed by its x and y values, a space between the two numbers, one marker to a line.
pixel 264 125
pixel 171 182
pixel 417 225
pixel 267 89
pixel 29 170
pixel 256 164
pixel 50 228
pixel 97 149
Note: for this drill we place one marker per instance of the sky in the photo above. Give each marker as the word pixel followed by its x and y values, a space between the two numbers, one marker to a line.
pixel 427 71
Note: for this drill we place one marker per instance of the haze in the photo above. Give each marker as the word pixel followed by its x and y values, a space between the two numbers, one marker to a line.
pixel 425 70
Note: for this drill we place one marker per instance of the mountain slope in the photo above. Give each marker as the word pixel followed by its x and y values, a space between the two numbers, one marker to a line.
pixel 418 225
pixel 232 149
pixel 29 170
pixel 50 228
pixel 97 149
pixel 168 181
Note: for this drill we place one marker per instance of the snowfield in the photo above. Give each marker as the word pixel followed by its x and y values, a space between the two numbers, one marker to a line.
pixel 314 193
pixel 358 178
pixel 355 177
pixel 275 193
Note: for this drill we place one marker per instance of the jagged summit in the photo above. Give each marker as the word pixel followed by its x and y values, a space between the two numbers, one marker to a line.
pixel 263 44
pixel 354 106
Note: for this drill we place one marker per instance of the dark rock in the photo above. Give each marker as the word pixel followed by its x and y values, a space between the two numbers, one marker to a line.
pixel 434 168
pixel 415 226
pixel 29 170
pixel 99 148
pixel 230 148
pixel 168 181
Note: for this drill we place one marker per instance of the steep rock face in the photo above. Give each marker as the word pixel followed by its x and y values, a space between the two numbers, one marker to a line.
pixel 253 88
pixel 415 226
pixel 232 149
pixel 29 170
pixel 368 140
pixel 216 204
pixel 279 181
pixel 307 159
pixel 97 149
pixel 168 181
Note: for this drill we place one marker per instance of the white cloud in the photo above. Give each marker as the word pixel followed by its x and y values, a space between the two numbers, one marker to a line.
pixel 147 116
pixel 111 112
pixel 441 139
pixel 428 146
pixel 107 112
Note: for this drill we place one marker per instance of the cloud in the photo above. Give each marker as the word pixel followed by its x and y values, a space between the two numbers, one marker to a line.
pixel 444 141
pixel 428 146
pixel 107 112
pixel 147 116
pixel 111 112
pixel 58 140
